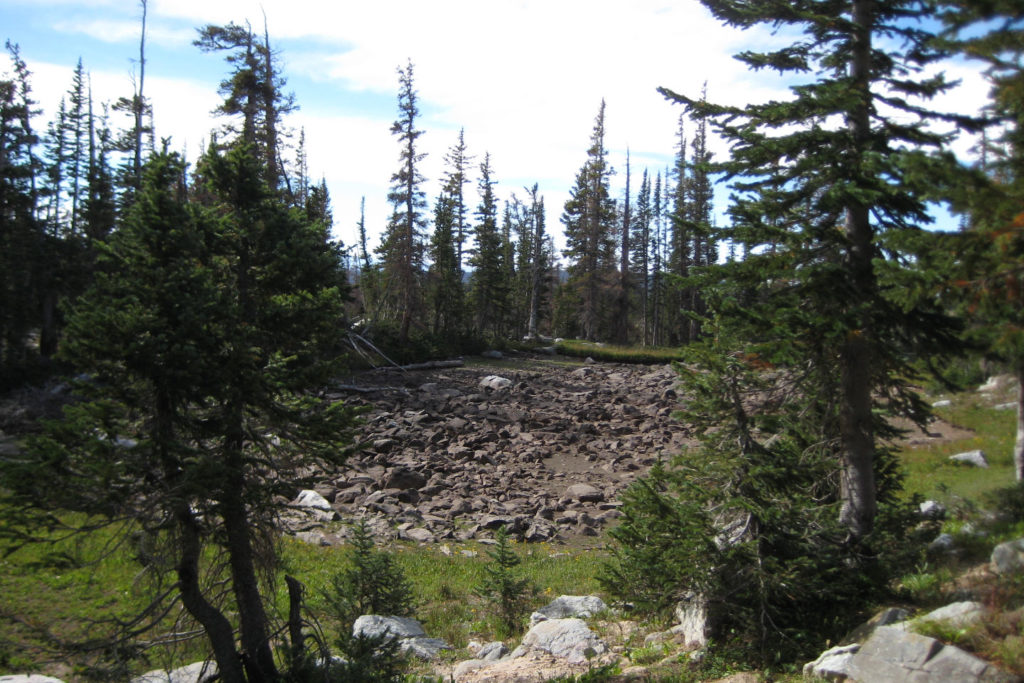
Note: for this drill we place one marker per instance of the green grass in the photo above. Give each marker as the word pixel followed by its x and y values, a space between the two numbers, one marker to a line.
pixel 620 354
pixel 931 474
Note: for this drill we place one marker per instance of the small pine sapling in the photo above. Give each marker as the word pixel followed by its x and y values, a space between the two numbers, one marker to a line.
pixel 506 594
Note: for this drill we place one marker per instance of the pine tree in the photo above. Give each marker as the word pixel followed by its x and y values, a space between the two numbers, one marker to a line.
pixel 401 249
pixel 203 337
pixel 458 162
pixel 589 218
pixel 487 285
pixel 836 204
pixel 22 242
pixel 446 293
pixel 641 253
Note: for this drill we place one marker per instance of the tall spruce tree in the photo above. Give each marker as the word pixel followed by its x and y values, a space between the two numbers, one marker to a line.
pixel 589 219
pixel 458 161
pixel 445 276
pixel 402 247
pixel 488 286
pixel 837 195
pixel 641 255
pixel 203 336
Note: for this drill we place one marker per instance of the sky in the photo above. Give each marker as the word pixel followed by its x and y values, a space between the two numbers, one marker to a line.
pixel 523 78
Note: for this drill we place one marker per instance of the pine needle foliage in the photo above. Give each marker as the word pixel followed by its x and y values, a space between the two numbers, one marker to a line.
pixel 506 593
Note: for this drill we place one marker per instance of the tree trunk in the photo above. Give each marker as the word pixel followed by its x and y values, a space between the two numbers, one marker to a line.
pixel 857 480
pixel 218 628
pixel 1018 447
pixel 252 618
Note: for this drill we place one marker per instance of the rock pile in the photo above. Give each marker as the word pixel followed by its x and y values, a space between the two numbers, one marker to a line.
pixel 457 453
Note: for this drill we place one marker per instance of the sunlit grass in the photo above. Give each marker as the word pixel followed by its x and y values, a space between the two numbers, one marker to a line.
pixel 620 354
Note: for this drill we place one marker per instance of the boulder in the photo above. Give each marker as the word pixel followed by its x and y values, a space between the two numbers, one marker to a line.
pixel 495 383
pixel 409 633
pixel 309 498
pixel 403 478
pixel 197 672
pixel 29 678
pixel 957 614
pixel 833 664
pixel 887 617
pixel 570 639
pixel 892 654
pixel 943 543
pixel 973 458
pixel 565 606
pixel 931 509
pixel 585 493
pixel 492 652
pixel 493 354
pixel 1008 558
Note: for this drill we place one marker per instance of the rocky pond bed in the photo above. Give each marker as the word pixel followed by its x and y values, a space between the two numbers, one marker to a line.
pixel 542 446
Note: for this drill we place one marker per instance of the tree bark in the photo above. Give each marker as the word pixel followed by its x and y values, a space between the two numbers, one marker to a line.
pixel 857 479
pixel 218 628
pixel 1018 447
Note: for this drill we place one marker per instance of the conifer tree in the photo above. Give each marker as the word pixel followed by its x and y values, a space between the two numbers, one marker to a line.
pixel 446 293
pixel 22 243
pixel 203 336
pixel 458 162
pixel 641 252
pixel 838 202
pixel 589 218
pixel 402 247
pixel 488 285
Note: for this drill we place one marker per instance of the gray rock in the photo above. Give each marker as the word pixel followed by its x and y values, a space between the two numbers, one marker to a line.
pixel 495 383
pixel 958 614
pixel 197 672
pixel 585 493
pixel 1008 558
pixel 309 498
pixel 409 632
pixel 419 534
pixel 833 664
pixel 892 654
pixel 565 606
pixel 944 403
pixel 887 617
pixel 468 666
pixel 403 478
pixel 493 354
pixel 29 678
pixel 943 543
pixel 1006 406
pixel 376 626
pixel 932 509
pixel 492 652
pixel 571 639
pixel 974 458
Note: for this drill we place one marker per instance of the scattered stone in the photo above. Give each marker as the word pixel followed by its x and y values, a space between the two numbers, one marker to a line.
pixel 565 606
pixel 585 493
pixel 311 499
pixel 492 652
pixel 495 383
pixel 887 617
pixel 408 632
pixel 944 403
pixel 944 543
pixel 974 458
pixel 1006 406
pixel 493 354
pixel 1008 558
pixel 29 678
pixel 892 654
pixel 568 638
pixel 931 509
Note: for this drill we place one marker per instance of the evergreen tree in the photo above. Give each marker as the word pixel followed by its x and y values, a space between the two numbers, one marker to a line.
pixel 446 293
pixel 488 284
pixel 203 336
pixel 837 205
pixel 458 162
pixel 401 249
pixel 641 254
pixel 22 243
pixel 589 219
pixel 622 305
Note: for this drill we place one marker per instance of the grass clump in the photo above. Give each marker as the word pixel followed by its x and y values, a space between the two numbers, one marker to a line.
pixel 620 354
